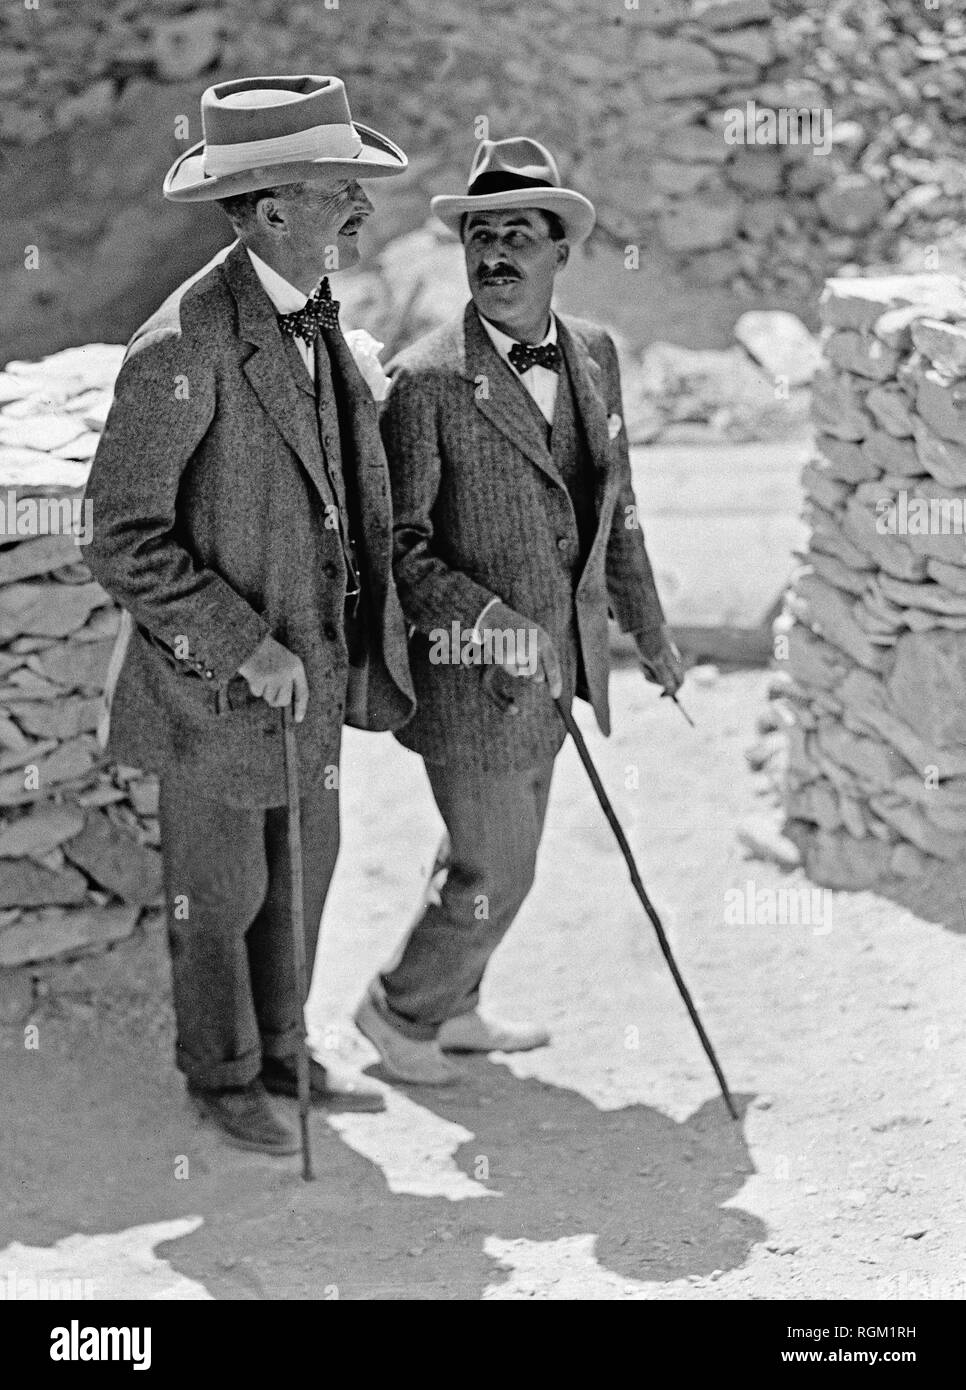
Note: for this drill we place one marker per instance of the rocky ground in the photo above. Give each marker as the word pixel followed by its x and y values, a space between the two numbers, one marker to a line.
pixel 96 100
pixel 602 1167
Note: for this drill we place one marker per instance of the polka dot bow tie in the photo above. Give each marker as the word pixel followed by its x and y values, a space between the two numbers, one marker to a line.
pixel 523 357
pixel 321 311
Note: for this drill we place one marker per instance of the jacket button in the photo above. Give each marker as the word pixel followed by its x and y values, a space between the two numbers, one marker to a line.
pixel 563 543
pixel 330 569
pixel 330 632
pixel 209 675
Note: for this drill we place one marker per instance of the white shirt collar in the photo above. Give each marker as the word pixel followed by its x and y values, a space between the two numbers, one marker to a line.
pixel 286 297
pixel 503 344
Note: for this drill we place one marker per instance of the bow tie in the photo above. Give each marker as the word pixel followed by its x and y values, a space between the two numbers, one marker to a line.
pixel 523 357
pixel 321 311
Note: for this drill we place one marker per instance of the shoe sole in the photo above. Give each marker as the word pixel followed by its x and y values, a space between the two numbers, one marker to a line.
pixel 394 1071
pixel 465 1050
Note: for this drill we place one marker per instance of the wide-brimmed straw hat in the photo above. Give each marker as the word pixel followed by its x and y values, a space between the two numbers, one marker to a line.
pixel 263 131
pixel 517 173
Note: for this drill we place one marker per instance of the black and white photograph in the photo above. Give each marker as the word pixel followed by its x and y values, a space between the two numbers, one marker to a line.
pixel 483 666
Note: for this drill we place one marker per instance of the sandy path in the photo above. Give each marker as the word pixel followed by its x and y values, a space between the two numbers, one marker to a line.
pixel 603 1167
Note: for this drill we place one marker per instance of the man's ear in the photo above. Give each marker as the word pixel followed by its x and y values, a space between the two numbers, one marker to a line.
pixel 269 215
pixel 563 253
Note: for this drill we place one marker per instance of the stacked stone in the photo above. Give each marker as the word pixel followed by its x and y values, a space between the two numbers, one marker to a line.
pixel 78 837
pixel 633 98
pixel 872 642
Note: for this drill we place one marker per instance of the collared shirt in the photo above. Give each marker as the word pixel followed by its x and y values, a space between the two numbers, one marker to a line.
pixel 539 381
pixel 287 300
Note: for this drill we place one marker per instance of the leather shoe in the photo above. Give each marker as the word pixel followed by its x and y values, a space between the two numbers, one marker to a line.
pixel 328 1086
pixel 245 1118
pixel 405 1059
pixel 471 1032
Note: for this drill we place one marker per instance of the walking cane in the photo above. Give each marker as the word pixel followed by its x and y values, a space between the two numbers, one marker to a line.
pixel 298 930
pixel 625 848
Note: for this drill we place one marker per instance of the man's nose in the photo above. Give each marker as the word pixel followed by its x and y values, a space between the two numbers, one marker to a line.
pixel 494 252
pixel 361 199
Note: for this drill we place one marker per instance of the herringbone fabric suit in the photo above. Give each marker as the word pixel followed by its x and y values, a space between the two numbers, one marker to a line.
pixel 483 510
pixel 220 503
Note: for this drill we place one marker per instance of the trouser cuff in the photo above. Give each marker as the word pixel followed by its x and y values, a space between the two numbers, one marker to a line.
pixel 219 1076
pixel 419 1032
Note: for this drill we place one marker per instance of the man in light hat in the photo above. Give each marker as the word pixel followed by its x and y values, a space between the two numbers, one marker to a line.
pixel 242 517
pixel 516 535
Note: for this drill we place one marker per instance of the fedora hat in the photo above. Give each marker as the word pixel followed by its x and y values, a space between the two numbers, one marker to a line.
pixel 262 131
pixel 517 173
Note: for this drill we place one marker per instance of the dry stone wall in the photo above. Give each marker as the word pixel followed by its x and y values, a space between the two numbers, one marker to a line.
pixel 98 96
pixel 872 643
pixel 78 837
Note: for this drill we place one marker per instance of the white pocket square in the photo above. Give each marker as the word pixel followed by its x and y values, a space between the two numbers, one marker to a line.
pixel 614 425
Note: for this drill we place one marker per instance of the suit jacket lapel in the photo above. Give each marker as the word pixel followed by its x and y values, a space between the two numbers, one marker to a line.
pixel 585 375
pixel 504 400
pixel 268 371
pixel 362 449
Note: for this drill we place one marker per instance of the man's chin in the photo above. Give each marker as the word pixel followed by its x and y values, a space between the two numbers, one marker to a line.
pixel 348 247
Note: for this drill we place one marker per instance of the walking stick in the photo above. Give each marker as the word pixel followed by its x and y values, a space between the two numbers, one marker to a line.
pixel 625 848
pixel 298 930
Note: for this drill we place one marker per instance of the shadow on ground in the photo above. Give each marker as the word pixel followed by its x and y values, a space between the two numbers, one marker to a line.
pixel 97 1137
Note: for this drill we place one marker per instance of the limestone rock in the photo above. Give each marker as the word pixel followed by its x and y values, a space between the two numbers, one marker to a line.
pixel 886 454
pixel 762 836
pixel 926 683
pixel 186 46
pixel 36 556
pixel 943 343
pixel 115 860
pixel 59 719
pixel 852 204
pixel 824 609
pixel 40 830
pixel 943 406
pixel 846 461
pixel 860 302
pixel 842 861
pixel 54 932
pixel 837 406
pixel 891 410
pixel 781 343
pixel 48 610
pixel 25 884
pixel 693 224
pixel 866 356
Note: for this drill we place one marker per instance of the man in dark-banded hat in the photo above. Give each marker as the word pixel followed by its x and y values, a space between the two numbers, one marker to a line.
pixel 516 535
pixel 242 518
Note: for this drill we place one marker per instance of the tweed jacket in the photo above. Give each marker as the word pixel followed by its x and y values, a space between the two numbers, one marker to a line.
pixel 481 511
pixel 215 523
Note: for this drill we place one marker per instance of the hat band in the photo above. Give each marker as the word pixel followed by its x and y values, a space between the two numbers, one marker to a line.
pixel 496 181
pixel 318 142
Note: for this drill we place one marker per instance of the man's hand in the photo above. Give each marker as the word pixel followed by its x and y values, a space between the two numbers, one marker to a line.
pixel 661 661
pixel 277 676
pixel 522 648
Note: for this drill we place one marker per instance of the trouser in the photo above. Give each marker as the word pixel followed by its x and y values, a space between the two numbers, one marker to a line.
pixel 228 892
pixel 494 823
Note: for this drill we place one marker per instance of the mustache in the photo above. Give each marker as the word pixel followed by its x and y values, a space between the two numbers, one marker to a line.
pixel 502 271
